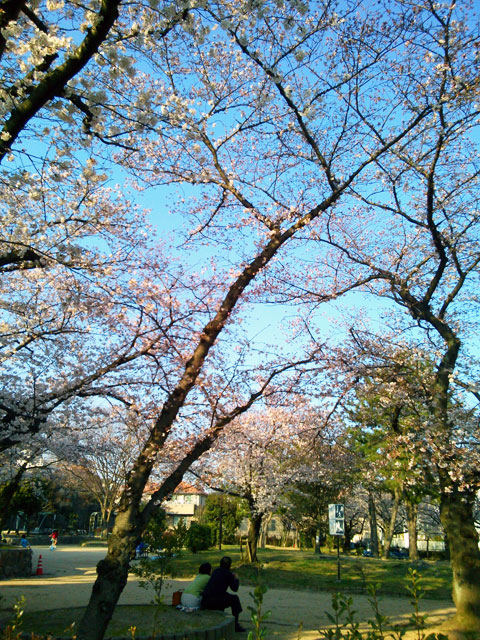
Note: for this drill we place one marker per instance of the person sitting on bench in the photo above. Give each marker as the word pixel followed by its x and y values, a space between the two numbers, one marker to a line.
pixel 215 595
pixel 192 596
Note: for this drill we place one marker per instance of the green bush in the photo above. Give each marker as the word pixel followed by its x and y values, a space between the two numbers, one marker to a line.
pixel 225 509
pixel 180 532
pixel 199 537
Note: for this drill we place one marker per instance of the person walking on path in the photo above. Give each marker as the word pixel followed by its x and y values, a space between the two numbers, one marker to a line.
pixel 215 595
pixel 54 539
pixel 24 543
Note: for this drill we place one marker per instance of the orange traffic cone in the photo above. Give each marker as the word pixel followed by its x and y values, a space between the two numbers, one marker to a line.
pixel 39 567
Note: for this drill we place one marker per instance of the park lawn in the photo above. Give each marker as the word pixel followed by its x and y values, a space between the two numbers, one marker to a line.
pixel 58 622
pixel 303 570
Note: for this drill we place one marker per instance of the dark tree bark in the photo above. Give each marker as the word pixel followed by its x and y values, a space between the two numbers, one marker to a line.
pixel 391 525
pixel 55 80
pixel 7 494
pixel 254 528
pixel 372 514
pixel 456 513
pixel 412 515
pixel 112 572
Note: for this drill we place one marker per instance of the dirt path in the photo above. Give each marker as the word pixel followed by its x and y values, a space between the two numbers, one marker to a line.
pixel 68 574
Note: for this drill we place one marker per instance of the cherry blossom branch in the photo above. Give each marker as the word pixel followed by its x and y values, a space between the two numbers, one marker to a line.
pixel 16 422
pixel 9 12
pixel 173 479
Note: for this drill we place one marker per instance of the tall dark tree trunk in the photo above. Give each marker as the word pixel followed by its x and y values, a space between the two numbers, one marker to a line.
pixel 391 525
pixel 264 531
pixel 372 514
pixel 412 516
pixel 456 506
pixel 7 494
pixel 254 527
pixel 456 513
pixel 112 572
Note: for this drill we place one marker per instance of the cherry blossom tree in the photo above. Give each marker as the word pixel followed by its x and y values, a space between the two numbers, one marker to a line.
pixel 68 240
pixel 51 53
pixel 316 98
pixel 103 454
pixel 401 441
pixel 273 118
pixel 259 458
pixel 422 202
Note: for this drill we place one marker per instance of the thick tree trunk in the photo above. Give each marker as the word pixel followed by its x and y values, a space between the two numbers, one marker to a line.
pixel 264 531
pixel 456 507
pixel 372 514
pixel 8 494
pixel 456 513
pixel 112 575
pixel 391 525
pixel 254 526
pixel 112 572
pixel 412 515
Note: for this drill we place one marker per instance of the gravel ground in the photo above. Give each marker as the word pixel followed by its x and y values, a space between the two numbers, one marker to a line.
pixel 68 574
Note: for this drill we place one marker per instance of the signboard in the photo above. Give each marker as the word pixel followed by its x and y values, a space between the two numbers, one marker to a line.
pixel 336 519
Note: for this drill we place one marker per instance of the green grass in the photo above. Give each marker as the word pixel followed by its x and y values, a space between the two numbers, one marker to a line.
pixel 58 622
pixel 303 570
